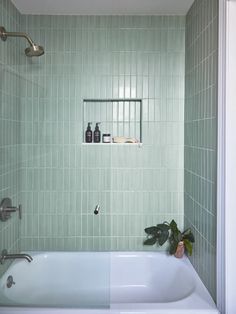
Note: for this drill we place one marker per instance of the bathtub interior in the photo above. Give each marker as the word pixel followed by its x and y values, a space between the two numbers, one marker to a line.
pixel 67 280
pixel 105 280
pixel 144 278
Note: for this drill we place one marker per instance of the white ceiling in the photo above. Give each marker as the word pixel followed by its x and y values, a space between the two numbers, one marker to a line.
pixel 103 7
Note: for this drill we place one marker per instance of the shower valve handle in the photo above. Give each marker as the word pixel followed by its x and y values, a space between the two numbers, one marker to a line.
pixel 6 209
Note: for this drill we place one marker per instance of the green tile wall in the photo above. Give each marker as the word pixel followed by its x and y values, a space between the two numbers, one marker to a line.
pixel 9 126
pixel 59 181
pixel 63 180
pixel 201 136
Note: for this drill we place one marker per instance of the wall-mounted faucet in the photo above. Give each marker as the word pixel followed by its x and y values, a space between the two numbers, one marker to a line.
pixel 6 209
pixel 4 256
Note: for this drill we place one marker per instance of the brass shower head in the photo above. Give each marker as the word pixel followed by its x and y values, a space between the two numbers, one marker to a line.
pixel 32 51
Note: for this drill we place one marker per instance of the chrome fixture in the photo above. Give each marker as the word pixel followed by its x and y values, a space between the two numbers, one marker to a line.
pixel 6 209
pixel 5 256
pixel 97 209
pixel 32 51
pixel 10 281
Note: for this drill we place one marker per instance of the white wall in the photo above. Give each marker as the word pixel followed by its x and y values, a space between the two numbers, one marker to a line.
pixel 230 161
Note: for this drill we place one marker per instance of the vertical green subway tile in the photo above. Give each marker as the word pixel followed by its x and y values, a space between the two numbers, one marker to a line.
pixel 10 95
pixel 201 136
pixel 61 180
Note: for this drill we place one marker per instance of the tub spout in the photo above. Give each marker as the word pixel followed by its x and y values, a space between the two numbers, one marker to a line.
pixel 5 256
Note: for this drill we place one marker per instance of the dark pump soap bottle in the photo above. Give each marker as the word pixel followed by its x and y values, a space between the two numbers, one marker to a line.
pixel 89 134
pixel 97 134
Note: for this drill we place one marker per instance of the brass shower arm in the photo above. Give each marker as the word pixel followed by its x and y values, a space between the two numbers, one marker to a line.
pixel 4 35
pixel 32 51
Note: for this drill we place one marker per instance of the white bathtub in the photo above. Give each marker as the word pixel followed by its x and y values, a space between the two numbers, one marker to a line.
pixel 100 283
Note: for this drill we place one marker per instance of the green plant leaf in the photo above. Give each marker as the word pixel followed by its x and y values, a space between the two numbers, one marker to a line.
pixel 163 237
pixel 160 233
pixel 173 226
pixel 163 227
pixel 173 246
pixel 177 236
pixel 188 245
pixel 187 234
pixel 151 230
pixel 150 241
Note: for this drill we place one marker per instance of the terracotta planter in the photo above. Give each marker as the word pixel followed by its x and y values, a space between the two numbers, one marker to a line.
pixel 180 250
